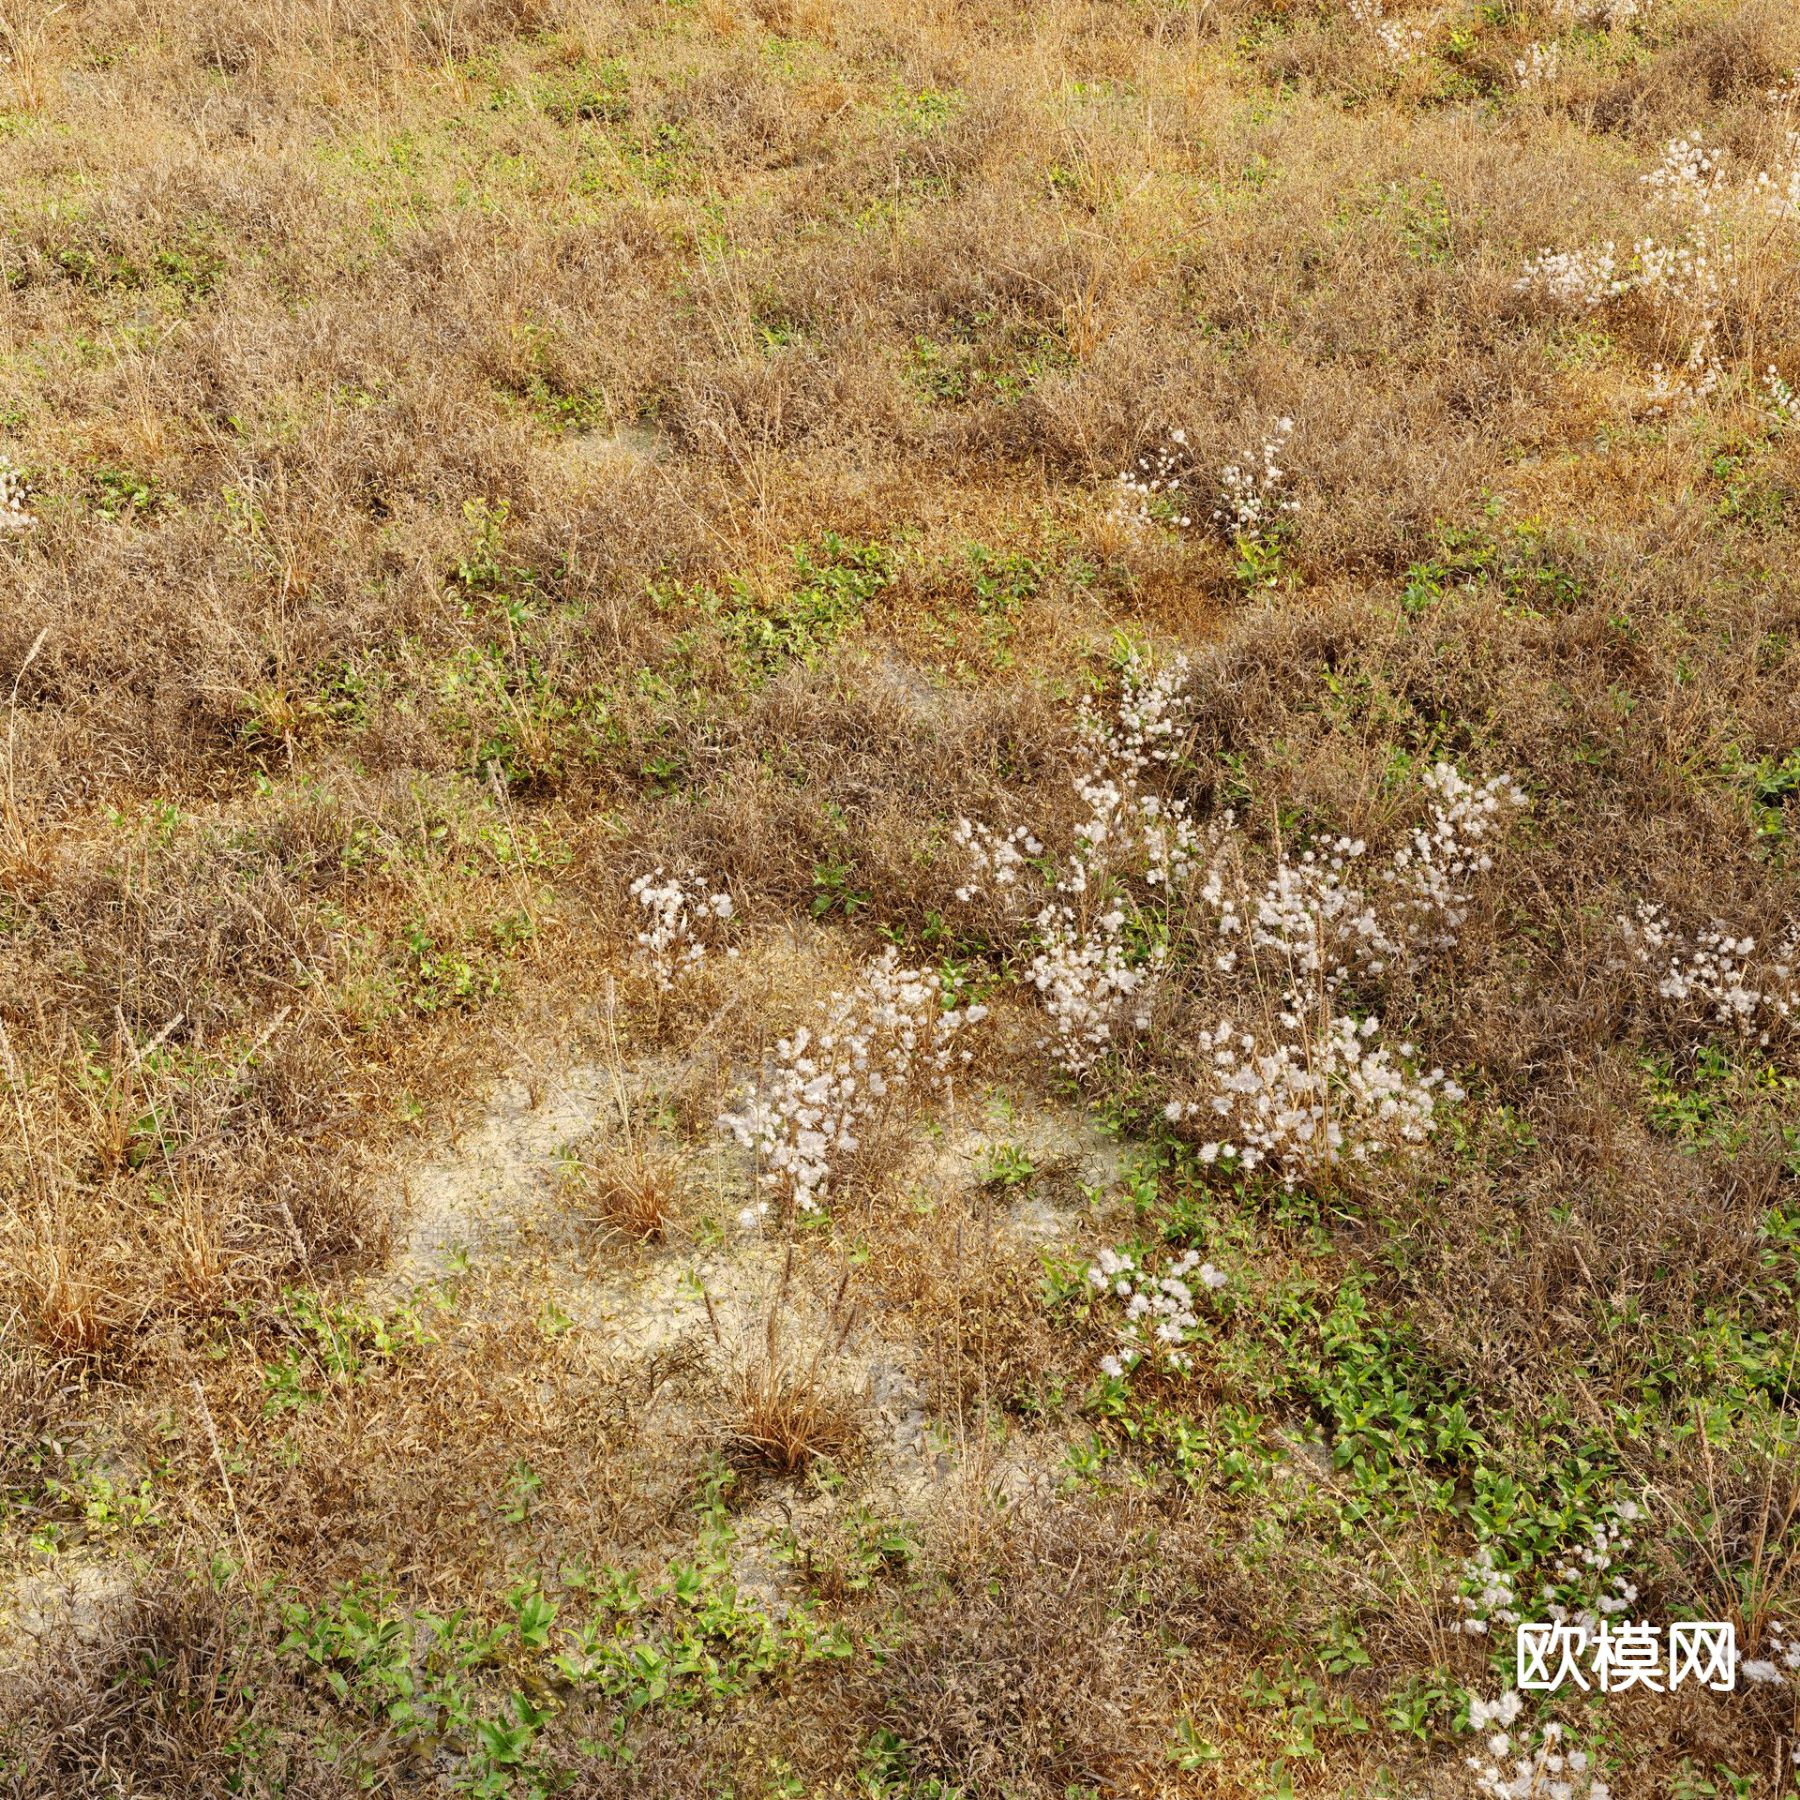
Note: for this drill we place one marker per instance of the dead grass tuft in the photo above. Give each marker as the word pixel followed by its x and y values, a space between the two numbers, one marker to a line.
pixel 634 1191
pixel 164 1690
pixel 782 1404
pixel 780 1413
pixel 74 1315
pixel 1022 1673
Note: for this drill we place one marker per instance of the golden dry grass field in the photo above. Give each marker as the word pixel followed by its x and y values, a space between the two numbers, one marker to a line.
pixel 897 900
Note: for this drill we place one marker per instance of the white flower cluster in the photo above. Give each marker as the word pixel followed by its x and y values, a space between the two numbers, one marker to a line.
pixel 1584 278
pixel 1320 1093
pixel 1784 1654
pixel 1688 281
pixel 1157 490
pixel 1689 177
pixel 1588 1567
pixel 1126 828
pixel 1697 379
pixel 1501 1712
pixel 1159 1309
pixel 1300 1094
pixel 1538 67
pixel 1150 492
pixel 1490 1594
pixel 1089 983
pixel 1715 973
pixel 15 513
pixel 1398 40
pixel 1780 186
pixel 1691 274
pixel 680 908
pixel 1547 1773
pixel 1783 402
pixel 1689 277
pixel 1321 924
pixel 1308 914
pixel 1315 1087
pixel 888 1034
pixel 1253 496
pixel 1151 718
pixel 1489 1597
pixel 1692 271
pixel 1428 871
pixel 995 858
pixel 1084 966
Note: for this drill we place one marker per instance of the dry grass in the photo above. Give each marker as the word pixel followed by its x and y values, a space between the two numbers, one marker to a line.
pixel 636 1186
pixel 482 451
pixel 634 1194
pixel 155 1696
pixel 784 1404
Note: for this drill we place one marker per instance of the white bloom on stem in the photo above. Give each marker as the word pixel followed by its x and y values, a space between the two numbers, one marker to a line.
pixel 683 913
pixel 831 1086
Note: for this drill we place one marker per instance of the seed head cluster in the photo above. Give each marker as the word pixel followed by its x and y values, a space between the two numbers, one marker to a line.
pixel 1305 1085
pixel 1091 981
pixel 684 914
pixel 995 858
pixel 1585 278
pixel 1092 971
pixel 1151 491
pixel 1309 916
pixel 1254 487
pixel 1716 978
pixel 834 1082
pixel 1311 1094
pixel 1159 1316
pixel 1429 874
pixel 1697 377
pixel 1584 1581
pixel 1588 1569
pixel 15 510
pixel 1398 39
pixel 1687 283
pixel 1489 1596
pixel 1297 1087
pixel 1158 489
pixel 1518 1771
pixel 1781 1667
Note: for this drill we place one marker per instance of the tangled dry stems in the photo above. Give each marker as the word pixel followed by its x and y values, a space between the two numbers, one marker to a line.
pixel 636 1192
pixel 312 774
pixel 784 1405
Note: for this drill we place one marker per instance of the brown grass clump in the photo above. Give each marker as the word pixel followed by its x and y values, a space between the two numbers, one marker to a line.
pixel 636 1186
pixel 632 1191
pixel 73 1315
pixel 782 1406
pixel 1021 1672
pixel 160 1690
pixel 780 1413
